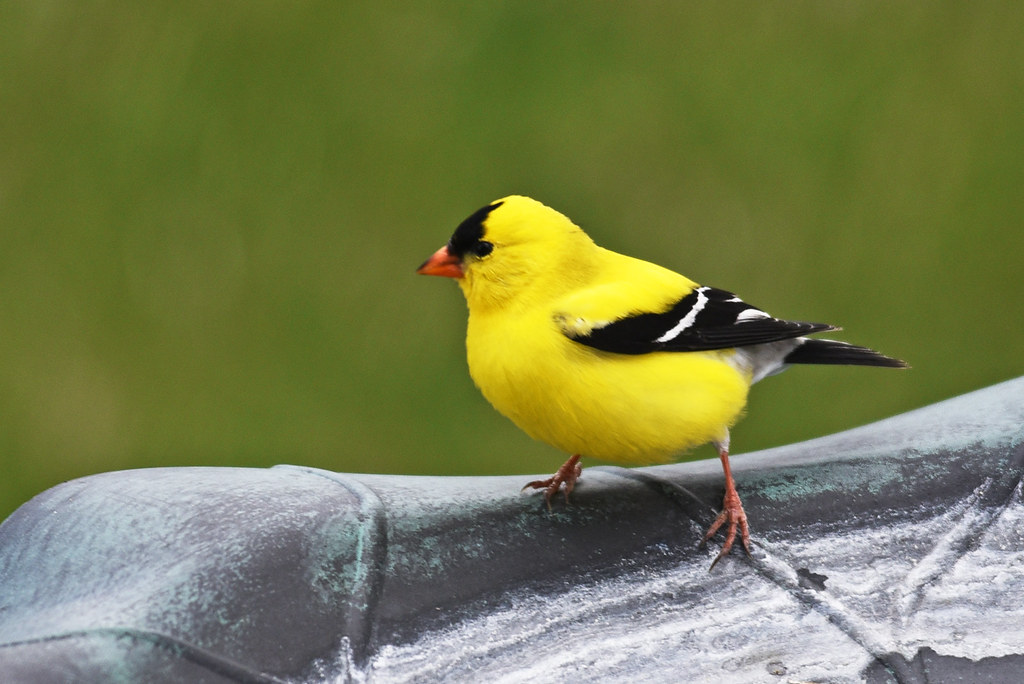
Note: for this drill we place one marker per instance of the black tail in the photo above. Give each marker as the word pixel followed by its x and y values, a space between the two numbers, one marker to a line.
pixel 841 353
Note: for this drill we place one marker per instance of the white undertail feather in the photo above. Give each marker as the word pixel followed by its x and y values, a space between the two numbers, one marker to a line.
pixel 762 360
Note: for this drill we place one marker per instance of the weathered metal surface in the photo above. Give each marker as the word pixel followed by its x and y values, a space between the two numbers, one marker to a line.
pixel 893 552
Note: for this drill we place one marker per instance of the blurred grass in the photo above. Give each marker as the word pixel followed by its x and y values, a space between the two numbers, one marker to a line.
pixel 210 213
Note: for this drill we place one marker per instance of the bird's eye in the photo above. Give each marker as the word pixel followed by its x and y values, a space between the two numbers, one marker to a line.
pixel 482 248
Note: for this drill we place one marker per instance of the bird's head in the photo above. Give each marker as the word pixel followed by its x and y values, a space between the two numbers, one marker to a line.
pixel 511 249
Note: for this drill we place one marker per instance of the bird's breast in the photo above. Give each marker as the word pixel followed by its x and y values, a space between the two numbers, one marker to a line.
pixel 634 409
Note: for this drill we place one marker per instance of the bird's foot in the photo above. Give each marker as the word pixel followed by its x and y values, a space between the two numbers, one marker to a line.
pixel 735 520
pixel 565 478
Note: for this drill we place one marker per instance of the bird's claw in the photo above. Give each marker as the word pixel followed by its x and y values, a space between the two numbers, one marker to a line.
pixel 564 478
pixel 735 519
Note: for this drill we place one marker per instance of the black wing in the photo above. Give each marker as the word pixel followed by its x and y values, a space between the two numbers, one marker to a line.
pixel 707 318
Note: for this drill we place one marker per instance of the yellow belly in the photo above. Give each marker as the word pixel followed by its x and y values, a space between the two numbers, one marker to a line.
pixel 648 408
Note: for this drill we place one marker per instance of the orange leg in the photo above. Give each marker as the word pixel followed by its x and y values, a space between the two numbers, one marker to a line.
pixel 732 513
pixel 565 476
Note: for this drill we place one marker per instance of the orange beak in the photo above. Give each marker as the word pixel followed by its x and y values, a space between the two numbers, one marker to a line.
pixel 442 263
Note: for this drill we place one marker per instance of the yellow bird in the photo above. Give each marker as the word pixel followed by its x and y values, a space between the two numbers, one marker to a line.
pixel 610 357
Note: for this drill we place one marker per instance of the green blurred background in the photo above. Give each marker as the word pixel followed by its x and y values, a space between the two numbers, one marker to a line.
pixel 211 212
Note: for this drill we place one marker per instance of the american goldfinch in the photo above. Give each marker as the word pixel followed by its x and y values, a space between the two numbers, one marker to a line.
pixel 610 357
